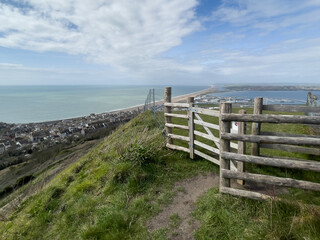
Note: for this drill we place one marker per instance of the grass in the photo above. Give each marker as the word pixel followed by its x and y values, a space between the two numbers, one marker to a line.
pixel 110 192
pixel 41 172
pixel 227 217
pixel 114 190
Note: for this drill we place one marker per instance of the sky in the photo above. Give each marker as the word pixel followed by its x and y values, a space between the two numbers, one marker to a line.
pixel 163 42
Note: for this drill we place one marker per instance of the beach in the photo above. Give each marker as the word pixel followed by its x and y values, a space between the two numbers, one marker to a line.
pixel 139 108
pixel 35 104
pixel 181 98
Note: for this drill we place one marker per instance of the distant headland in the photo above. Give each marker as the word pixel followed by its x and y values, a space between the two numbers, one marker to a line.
pixel 271 88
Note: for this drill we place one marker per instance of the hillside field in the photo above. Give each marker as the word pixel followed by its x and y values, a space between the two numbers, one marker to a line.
pixel 121 185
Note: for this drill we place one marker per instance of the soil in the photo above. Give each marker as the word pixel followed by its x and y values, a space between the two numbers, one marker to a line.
pixel 188 191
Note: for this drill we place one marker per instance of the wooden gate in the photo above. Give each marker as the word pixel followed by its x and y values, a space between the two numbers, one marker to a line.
pixel 228 150
pixel 198 131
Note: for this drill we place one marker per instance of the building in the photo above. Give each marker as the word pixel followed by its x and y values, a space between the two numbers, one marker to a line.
pixel 2 148
pixel 313 101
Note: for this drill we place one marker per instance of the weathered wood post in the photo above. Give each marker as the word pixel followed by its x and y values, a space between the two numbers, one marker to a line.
pixel 167 109
pixel 191 127
pixel 241 145
pixel 224 144
pixel 257 109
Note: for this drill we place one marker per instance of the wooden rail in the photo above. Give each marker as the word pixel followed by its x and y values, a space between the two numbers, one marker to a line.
pixel 288 108
pixel 207 147
pixel 207 157
pixel 290 148
pixel 244 193
pixel 282 134
pixel 181 105
pixel 278 181
pixel 216 140
pixel 170 125
pixel 270 118
pixel 176 115
pixel 175 147
pixel 272 139
pixel 204 111
pixel 183 138
pixel 276 162
pixel 206 136
pixel 206 124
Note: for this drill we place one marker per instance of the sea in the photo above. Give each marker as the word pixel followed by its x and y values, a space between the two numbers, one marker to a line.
pixel 270 97
pixel 26 104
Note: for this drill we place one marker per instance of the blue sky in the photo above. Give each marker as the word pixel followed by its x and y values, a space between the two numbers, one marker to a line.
pixel 164 42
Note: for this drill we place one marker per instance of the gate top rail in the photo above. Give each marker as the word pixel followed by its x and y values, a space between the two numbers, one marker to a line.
pixel 182 105
pixel 205 111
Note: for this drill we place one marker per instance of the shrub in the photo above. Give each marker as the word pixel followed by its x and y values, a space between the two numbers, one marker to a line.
pixel 23 180
pixel 137 154
pixel 19 183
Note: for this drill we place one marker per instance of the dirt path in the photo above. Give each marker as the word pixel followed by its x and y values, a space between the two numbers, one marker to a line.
pixel 188 191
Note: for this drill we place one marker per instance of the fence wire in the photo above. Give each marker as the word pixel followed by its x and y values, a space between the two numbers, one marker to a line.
pixel 154 103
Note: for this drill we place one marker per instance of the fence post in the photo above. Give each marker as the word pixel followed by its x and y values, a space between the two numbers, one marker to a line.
pixel 167 99
pixel 257 109
pixel 241 146
pixel 224 144
pixel 153 104
pixel 153 98
pixel 191 127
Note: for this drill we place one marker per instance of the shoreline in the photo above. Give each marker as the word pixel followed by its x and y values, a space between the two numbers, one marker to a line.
pixel 125 109
pixel 174 99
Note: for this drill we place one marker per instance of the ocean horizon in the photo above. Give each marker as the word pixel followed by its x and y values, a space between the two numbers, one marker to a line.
pixel 28 104
pixel 32 104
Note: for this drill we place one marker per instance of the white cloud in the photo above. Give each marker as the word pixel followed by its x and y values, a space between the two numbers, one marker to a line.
pixel 269 14
pixel 6 67
pixel 131 36
pixel 295 60
pixel 10 66
pixel 120 33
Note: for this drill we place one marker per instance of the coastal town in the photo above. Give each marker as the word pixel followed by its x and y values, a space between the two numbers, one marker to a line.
pixel 39 136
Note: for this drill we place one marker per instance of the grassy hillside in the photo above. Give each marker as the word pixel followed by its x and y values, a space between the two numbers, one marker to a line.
pixel 112 191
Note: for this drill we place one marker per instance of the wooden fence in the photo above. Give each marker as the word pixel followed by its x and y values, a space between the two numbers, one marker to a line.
pixel 193 118
pixel 231 157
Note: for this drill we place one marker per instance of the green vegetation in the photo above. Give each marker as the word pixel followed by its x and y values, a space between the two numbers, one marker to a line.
pixel 110 192
pixel 42 165
pixel 114 190
pixel 227 217
pixel 19 183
